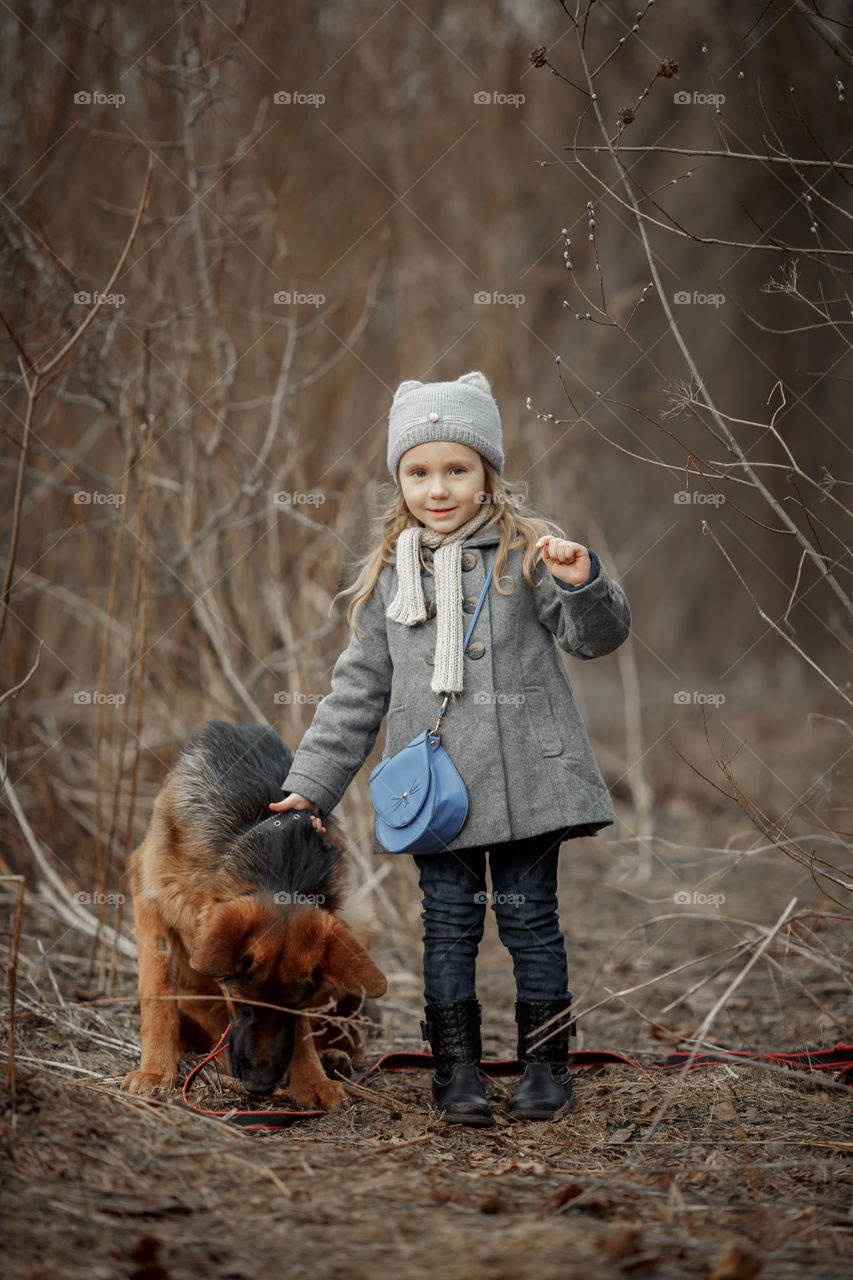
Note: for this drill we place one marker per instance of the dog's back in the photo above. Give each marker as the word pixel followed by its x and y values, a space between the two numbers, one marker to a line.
pixel 224 779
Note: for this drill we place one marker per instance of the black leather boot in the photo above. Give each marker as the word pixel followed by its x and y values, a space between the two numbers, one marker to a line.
pixel 545 1091
pixel 453 1032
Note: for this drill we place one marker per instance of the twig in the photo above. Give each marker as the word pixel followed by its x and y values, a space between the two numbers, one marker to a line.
pixel 16 689
pixel 381 1099
pixel 38 377
pixel 13 982
pixel 727 155
pixel 705 394
pixel 55 888
pixel 711 1015
pixel 826 34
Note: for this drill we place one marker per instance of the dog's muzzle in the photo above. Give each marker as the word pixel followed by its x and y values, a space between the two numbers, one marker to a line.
pixel 261 1047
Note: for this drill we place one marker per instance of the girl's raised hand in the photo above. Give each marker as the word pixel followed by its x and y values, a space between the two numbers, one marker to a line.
pixel 568 561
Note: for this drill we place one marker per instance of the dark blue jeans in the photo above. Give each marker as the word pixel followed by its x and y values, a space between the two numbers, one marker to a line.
pixel 524 900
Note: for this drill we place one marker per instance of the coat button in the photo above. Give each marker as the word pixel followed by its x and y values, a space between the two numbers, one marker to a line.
pixel 429 605
pixel 469 560
pixel 429 657
pixel 469 604
pixel 476 649
pixel 428 555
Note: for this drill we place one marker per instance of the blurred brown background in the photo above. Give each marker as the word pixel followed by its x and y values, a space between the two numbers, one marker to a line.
pixel 331 191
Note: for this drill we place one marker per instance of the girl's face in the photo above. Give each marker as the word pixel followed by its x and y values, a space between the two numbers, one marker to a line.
pixel 442 484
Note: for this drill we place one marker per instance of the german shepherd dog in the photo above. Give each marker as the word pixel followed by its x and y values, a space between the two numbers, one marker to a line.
pixel 234 903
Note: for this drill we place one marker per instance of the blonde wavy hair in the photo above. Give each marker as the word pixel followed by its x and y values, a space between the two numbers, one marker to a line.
pixel 517 524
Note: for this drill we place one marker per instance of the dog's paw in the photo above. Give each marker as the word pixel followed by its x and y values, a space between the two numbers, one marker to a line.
pixel 148 1082
pixel 336 1060
pixel 318 1093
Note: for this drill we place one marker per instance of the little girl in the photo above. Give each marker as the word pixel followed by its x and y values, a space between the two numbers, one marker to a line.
pixel 512 729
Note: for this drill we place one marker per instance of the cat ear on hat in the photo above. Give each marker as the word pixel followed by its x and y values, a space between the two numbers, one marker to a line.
pixel 406 386
pixel 476 379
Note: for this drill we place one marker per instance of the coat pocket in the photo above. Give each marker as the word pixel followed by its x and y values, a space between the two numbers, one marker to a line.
pixel 541 719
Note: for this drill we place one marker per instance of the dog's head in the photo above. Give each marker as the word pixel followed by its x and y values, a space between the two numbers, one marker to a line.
pixel 290 957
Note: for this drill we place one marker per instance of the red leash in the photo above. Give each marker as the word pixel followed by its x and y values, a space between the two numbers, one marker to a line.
pixel 838 1059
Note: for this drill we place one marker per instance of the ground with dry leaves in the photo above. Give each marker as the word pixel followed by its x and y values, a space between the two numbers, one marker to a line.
pixel 741 1173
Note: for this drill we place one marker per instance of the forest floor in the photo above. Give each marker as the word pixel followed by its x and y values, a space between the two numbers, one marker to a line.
pixel 718 1173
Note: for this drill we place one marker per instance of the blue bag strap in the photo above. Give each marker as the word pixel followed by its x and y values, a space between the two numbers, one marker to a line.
pixel 479 603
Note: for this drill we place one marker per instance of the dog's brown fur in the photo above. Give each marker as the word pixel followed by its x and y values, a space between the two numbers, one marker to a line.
pixel 203 931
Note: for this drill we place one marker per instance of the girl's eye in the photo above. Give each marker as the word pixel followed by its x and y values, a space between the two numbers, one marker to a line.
pixel 419 471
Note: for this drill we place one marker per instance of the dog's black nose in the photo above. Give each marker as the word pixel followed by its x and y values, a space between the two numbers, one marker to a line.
pixel 260 1084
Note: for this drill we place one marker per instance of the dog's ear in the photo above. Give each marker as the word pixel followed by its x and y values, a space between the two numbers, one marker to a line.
pixel 346 964
pixel 221 942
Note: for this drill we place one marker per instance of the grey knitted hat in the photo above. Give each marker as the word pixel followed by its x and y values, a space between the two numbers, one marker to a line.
pixel 463 411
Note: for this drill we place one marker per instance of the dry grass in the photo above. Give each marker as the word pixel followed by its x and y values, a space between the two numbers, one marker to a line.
pixel 97 1181
pixel 742 1170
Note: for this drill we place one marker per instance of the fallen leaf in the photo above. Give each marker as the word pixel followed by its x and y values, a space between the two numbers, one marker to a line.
pixel 563 1195
pixel 660 1031
pixel 515 1166
pixel 736 1262
pixel 621 1135
pixel 492 1204
pixel 624 1248
pixel 624 1242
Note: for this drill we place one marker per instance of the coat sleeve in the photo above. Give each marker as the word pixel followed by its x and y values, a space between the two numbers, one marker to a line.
pixel 346 722
pixel 589 620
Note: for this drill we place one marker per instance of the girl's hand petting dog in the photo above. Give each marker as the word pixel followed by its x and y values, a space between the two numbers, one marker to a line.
pixel 295 801
pixel 568 561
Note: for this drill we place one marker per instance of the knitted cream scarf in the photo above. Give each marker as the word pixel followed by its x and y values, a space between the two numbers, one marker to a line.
pixel 408 605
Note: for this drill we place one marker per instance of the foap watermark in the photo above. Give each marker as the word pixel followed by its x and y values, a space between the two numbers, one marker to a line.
pixel 296 98
pixel 285 697
pixel 682 497
pixel 698 99
pixel 483 896
pixel 83 98
pixel 491 699
pixel 84 299
pixel 95 498
pixel 696 899
pixel 299 498
pixel 284 899
pixel 99 899
pixel 95 698
pixel 494 98
pixel 683 698
pixel 683 298
pixel 507 499
pixel 286 298
pixel 483 298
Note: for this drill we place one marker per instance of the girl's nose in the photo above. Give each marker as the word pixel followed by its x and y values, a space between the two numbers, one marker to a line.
pixel 438 486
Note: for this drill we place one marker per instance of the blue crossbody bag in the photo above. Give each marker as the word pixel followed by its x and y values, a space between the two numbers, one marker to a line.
pixel 419 798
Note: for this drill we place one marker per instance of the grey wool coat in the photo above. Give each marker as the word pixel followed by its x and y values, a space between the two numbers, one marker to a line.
pixel 515 733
